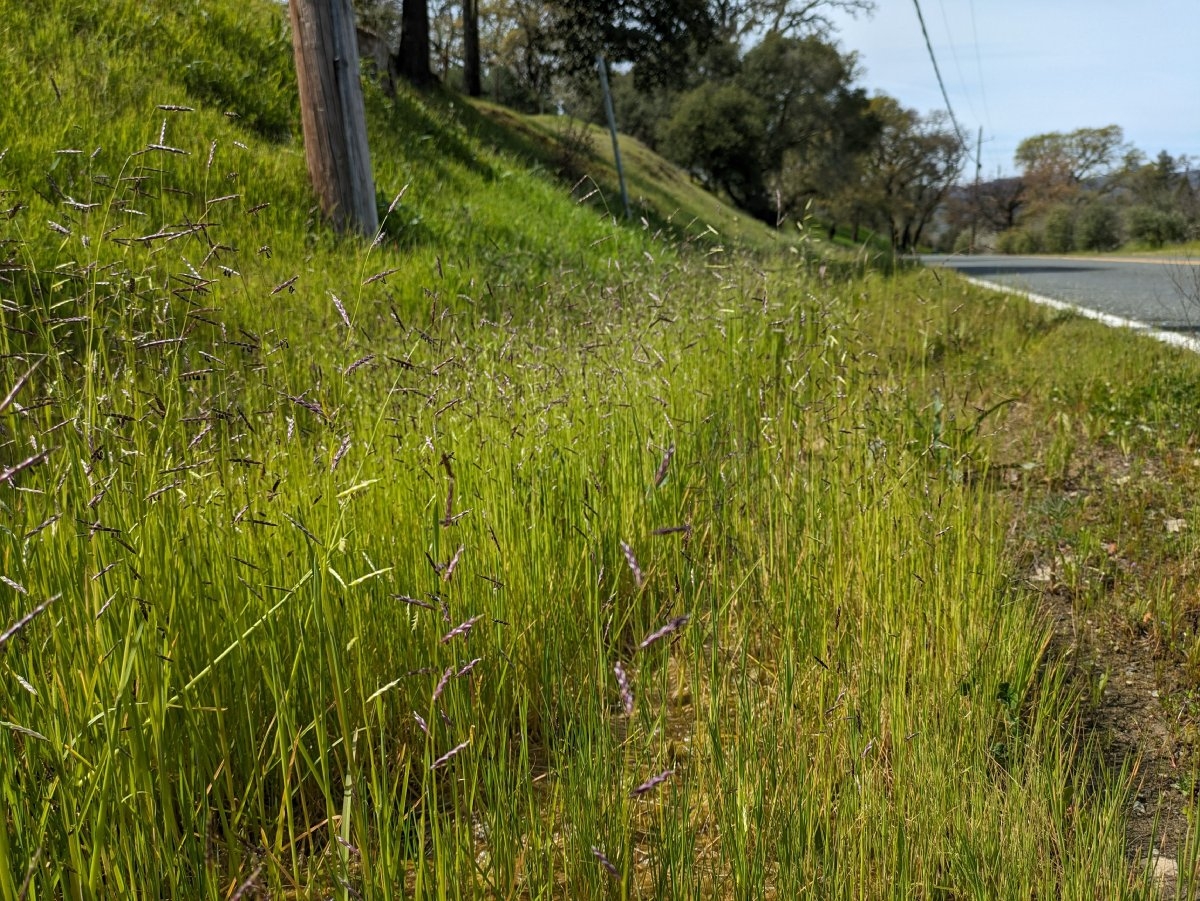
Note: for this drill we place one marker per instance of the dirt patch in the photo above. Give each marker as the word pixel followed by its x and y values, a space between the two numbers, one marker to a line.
pixel 1104 548
pixel 1134 726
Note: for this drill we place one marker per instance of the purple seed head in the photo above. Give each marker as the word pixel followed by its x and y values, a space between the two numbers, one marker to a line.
pixel 341 452
pixel 673 626
pixel 449 755
pixel 633 564
pixel 358 364
pixel 461 629
pixel 449 570
pixel 440 687
pixel 626 691
pixel 337 302
pixel 661 475
pixel 468 667
pixel 652 783
pixel 603 860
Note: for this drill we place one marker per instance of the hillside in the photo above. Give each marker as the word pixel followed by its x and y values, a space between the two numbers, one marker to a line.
pixel 524 552
pixel 120 71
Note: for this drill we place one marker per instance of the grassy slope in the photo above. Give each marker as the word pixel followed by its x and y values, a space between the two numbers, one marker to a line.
pixel 242 488
pixel 659 191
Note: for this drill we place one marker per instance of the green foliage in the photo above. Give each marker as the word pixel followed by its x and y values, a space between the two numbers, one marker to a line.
pixel 640 113
pixel 909 169
pixel 1098 227
pixel 1058 230
pixel 1155 227
pixel 816 122
pixel 811 124
pixel 717 132
pixel 1069 158
pixel 1019 241
pixel 659 36
pixel 1089 190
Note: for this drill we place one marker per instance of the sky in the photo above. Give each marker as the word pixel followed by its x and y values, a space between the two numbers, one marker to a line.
pixel 1024 67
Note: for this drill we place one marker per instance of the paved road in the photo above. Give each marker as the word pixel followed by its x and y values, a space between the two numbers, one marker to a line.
pixel 1162 293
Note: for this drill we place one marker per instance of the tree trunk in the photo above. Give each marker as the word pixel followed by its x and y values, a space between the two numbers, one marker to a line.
pixel 332 114
pixel 413 62
pixel 471 48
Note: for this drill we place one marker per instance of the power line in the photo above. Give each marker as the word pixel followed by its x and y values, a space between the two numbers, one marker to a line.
pixel 962 79
pixel 987 114
pixel 938 72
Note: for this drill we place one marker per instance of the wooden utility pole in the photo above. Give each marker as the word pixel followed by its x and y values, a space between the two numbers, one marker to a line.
pixel 471 48
pixel 975 190
pixel 331 111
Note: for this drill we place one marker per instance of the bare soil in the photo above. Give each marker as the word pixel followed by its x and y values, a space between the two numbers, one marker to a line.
pixel 1108 547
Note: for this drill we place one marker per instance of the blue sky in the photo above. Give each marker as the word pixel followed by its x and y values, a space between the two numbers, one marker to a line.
pixel 1023 67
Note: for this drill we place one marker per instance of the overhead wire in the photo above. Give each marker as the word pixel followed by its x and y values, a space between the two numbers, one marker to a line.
pixel 987 113
pixel 942 84
pixel 962 78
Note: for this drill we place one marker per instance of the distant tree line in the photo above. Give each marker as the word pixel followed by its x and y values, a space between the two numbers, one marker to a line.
pixel 752 97
pixel 1085 190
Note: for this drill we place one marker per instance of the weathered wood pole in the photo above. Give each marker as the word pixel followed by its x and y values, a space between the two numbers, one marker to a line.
pixel 331 111
pixel 471 48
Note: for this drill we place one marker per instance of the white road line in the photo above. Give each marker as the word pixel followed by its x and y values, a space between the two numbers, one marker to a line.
pixel 1173 338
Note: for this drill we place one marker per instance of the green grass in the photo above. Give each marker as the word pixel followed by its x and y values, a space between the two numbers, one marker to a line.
pixel 262 507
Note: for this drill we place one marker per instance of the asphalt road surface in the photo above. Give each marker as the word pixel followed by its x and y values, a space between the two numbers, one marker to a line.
pixel 1163 293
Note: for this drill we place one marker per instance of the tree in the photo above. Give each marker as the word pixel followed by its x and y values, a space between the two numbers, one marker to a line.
pixel 1055 165
pixel 911 167
pixel 413 58
pixel 659 35
pixel 999 201
pixel 717 132
pixel 519 34
pixel 380 17
pixel 1154 184
pixel 471 74
pixel 445 37
pixel 817 122
pixel 737 19
pixel 1098 227
pixel 332 114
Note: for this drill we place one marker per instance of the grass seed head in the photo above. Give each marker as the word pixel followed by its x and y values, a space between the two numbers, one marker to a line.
pixel 442 682
pixel 449 755
pixel 337 303
pixel 607 864
pixel 652 783
pixel 461 629
pixel 626 690
pixel 673 626
pixel 341 452
pixel 633 564
pixel 661 475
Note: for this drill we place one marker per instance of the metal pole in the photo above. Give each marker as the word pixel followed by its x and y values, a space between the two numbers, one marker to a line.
pixel 612 128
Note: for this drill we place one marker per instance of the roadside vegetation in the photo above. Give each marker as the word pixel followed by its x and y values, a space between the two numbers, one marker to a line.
pixel 527 552
pixel 1085 191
